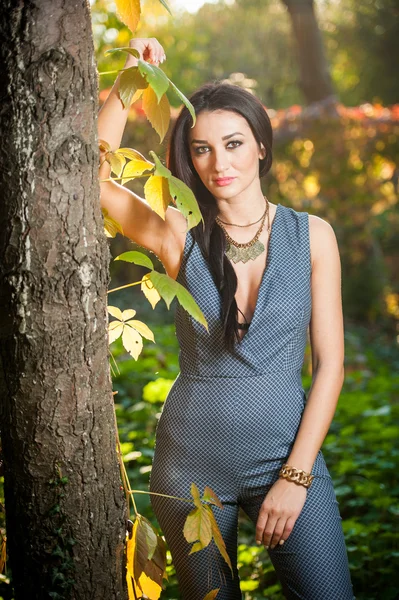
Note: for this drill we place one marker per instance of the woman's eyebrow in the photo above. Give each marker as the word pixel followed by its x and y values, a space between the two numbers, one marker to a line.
pixel 226 137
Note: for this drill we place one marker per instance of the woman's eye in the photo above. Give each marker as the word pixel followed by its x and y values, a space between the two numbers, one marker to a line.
pixel 199 149
pixel 204 149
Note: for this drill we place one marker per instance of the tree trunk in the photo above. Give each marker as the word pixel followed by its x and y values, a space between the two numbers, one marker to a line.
pixel 65 509
pixel 315 81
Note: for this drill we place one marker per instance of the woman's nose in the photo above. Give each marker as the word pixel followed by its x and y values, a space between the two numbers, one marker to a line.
pixel 221 163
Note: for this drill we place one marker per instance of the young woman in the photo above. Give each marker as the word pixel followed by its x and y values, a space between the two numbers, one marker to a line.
pixel 237 418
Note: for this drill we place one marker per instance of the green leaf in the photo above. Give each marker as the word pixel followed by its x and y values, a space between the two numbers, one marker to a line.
pixel 165 286
pixel 164 4
pixel 131 81
pixel 155 77
pixel 185 101
pixel 160 169
pixel 126 49
pixel 168 288
pixel 190 305
pixel 137 258
pixel 185 201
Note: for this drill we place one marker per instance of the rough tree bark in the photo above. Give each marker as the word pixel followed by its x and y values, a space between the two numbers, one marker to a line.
pixel 65 508
pixel 315 80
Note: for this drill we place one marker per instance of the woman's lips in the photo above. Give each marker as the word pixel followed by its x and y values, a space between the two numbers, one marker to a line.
pixel 224 181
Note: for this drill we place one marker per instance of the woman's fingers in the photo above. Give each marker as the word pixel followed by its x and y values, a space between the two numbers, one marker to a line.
pixel 149 48
pixel 269 530
pixel 273 529
pixel 278 532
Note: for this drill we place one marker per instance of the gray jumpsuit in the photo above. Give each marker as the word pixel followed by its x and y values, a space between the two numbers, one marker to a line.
pixel 230 421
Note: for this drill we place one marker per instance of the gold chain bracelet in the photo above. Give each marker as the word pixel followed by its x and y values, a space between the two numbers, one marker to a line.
pixel 296 475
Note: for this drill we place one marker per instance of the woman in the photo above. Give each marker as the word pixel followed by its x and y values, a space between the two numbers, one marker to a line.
pixel 237 418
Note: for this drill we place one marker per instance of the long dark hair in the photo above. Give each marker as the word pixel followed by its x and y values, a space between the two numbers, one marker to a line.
pixel 211 240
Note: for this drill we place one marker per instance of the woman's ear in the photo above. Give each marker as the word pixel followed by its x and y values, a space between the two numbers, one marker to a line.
pixel 262 152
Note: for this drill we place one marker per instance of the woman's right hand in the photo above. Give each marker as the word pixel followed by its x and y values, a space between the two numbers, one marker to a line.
pixel 149 49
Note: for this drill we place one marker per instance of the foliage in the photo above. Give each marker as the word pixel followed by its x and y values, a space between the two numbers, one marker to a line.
pixel 255 39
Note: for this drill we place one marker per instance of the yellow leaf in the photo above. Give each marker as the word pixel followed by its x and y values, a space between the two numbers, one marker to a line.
pixel 196 495
pixel 157 114
pixel 115 312
pixel 132 341
pixel 198 527
pixel 145 565
pixel 117 162
pixel 210 496
pixel 219 541
pixel 114 331
pixel 3 553
pixel 131 153
pixel 128 314
pixel 156 191
pixel 135 168
pixel 130 81
pixel 110 225
pixel 129 12
pixel 149 291
pixel 104 146
pixel 212 594
pixel 142 329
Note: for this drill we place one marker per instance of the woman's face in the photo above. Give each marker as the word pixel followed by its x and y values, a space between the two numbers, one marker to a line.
pixel 225 153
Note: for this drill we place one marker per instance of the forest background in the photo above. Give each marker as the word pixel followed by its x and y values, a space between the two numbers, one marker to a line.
pixel 342 168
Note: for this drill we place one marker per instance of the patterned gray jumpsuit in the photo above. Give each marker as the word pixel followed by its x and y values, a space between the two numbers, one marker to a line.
pixel 230 421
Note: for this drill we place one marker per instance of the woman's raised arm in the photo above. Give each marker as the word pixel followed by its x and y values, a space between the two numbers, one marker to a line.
pixel 139 222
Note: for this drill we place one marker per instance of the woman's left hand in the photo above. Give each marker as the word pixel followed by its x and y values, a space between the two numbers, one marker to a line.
pixel 279 511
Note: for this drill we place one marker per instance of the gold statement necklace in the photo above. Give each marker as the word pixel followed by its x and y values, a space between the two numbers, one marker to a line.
pixel 243 252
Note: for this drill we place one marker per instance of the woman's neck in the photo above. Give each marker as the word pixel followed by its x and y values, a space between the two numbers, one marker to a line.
pixel 241 209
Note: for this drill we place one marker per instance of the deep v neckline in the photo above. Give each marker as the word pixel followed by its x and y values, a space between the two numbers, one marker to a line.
pixel 265 271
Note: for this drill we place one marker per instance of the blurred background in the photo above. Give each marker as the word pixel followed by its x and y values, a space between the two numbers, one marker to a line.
pixel 326 72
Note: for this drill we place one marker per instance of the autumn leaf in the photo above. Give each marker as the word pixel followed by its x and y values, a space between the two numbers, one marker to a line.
pixel 132 341
pixel 117 162
pixel 111 226
pixel 131 330
pixel 130 82
pixel 212 594
pixel 158 114
pixel 201 526
pixel 135 168
pixel 210 496
pixel 146 561
pixel 218 539
pixel 197 528
pixel 156 192
pixel 3 553
pixel 129 12
pixel 104 146
pixel 131 153
pixel 149 291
